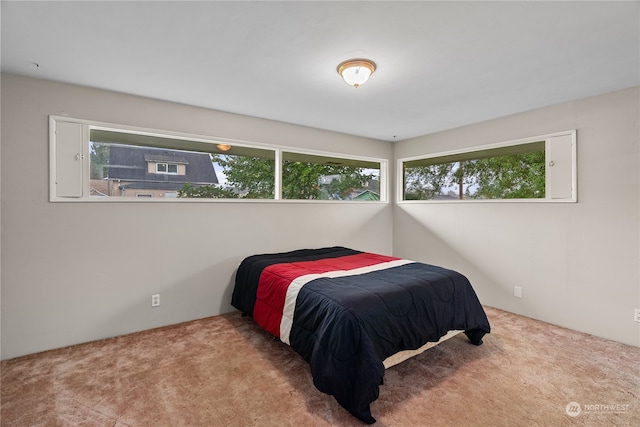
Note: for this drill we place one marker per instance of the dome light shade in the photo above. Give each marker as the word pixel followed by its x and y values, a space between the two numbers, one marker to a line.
pixel 356 72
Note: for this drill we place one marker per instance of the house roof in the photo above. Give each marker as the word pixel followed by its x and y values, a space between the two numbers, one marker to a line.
pixel 131 163
pixel 367 195
pixel 148 185
pixel 162 158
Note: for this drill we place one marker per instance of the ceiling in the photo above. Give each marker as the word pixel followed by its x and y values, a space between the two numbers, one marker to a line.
pixel 440 64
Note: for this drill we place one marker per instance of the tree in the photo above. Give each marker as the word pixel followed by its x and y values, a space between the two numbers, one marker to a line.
pixel 254 177
pixel 99 160
pixel 502 177
pixel 425 182
pixel 520 176
pixel 317 181
pixel 206 191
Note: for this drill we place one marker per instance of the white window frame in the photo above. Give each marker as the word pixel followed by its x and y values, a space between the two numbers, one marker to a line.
pixel 167 172
pixel 550 163
pixel 76 155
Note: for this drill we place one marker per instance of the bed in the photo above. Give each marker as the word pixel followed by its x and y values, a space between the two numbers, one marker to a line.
pixel 347 312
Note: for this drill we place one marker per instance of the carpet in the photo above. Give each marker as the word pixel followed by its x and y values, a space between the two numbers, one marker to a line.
pixel 225 371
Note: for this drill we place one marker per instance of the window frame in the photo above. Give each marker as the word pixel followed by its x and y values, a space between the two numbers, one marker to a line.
pixel 548 140
pixel 167 171
pixel 83 155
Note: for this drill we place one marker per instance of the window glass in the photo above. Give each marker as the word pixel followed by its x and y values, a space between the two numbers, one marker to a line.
pixel 247 176
pixel 315 177
pixel 131 165
pixel 166 168
pixel 511 172
pixel 536 168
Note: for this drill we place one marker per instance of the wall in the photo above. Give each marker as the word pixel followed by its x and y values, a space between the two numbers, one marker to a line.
pixel 578 263
pixel 75 272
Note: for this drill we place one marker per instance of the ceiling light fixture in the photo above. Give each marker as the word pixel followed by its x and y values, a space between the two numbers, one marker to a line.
pixel 356 72
pixel 223 147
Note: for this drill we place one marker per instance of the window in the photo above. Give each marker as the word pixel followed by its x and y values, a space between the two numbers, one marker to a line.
pixel 124 170
pixel 125 164
pixel 100 162
pixel 308 176
pixel 250 176
pixel 167 168
pixel 541 168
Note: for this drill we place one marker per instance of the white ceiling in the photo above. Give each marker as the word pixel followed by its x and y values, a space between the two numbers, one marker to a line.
pixel 440 64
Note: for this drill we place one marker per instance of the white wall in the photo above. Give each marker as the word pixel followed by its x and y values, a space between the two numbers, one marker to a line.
pixel 578 263
pixel 75 272
pixel 65 283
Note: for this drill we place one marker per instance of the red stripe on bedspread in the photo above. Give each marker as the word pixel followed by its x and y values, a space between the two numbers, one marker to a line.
pixel 275 280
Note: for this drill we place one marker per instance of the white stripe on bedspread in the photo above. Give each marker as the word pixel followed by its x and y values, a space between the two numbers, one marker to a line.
pixel 299 282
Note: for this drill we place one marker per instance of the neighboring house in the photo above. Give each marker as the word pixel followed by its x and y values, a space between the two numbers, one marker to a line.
pixel 152 172
pixel 366 195
pixel 370 192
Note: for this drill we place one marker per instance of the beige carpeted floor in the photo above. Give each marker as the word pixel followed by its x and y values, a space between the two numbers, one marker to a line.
pixel 224 371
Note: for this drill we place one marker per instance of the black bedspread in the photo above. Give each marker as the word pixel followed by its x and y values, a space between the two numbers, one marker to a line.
pixel 345 326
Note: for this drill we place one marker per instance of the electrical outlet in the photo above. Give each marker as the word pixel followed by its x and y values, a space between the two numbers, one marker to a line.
pixel 636 315
pixel 155 300
pixel 517 291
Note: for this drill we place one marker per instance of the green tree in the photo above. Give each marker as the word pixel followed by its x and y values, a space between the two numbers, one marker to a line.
pixel 516 176
pixel 98 160
pixel 206 191
pixel 520 176
pixel 254 177
pixel 425 182
pixel 302 180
